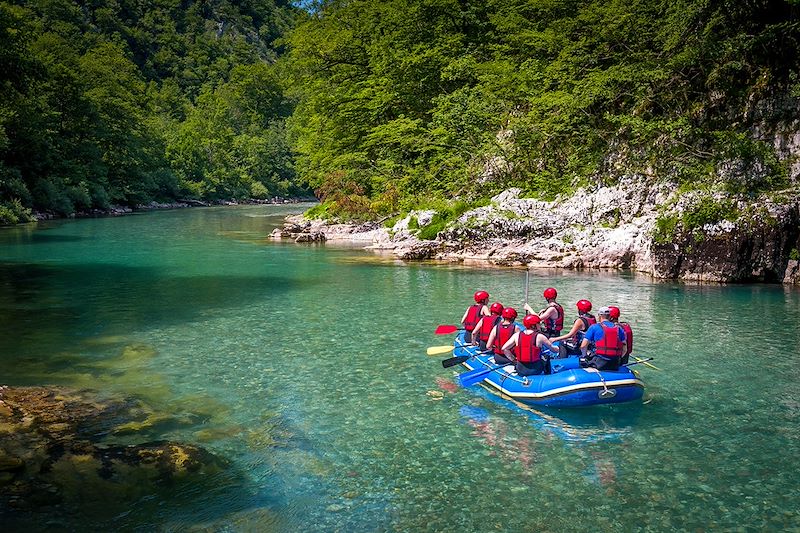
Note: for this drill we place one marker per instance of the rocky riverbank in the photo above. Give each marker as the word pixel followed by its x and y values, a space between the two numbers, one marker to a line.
pixel 57 460
pixel 636 224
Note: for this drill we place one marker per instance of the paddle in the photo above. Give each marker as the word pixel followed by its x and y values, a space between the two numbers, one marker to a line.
pixel 468 379
pixel 527 285
pixel 439 350
pixel 644 361
pixel 453 361
pixel 446 329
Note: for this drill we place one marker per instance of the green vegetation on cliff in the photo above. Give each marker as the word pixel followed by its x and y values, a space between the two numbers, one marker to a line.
pixel 381 106
pixel 404 101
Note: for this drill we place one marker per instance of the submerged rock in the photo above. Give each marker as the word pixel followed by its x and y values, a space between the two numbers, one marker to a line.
pixel 52 454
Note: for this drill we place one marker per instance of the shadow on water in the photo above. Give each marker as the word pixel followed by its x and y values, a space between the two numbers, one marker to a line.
pixel 38 237
pixel 573 426
pixel 53 306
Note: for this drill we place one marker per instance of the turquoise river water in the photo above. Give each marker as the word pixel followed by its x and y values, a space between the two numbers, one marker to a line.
pixel 304 366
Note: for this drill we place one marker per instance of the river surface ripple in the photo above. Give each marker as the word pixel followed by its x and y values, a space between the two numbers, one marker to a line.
pixel 305 367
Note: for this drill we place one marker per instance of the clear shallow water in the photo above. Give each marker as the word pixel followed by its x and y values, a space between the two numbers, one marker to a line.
pixel 305 366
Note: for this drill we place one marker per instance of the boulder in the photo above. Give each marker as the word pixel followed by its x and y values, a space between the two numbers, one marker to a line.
pixel 316 236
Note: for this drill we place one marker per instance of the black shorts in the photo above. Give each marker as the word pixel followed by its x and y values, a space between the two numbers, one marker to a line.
pixel 601 363
pixel 532 369
pixel 501 360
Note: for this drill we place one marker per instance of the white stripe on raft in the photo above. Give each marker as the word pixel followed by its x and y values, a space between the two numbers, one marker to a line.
pixel 555 392
pixel 564 390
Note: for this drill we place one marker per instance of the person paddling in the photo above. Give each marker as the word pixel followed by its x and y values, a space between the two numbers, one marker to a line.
pixel 474 313
pixel 614 315
pixel 527 354
pixel 552 316
pixel 571 341
pixel 480 335
pixel 501 333
pixel 604 343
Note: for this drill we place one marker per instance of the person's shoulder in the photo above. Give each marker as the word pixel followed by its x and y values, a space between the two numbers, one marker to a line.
pixel 594 328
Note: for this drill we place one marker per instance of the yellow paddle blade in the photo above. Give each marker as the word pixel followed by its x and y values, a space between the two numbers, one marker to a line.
pixel 639 360
pixel 439 350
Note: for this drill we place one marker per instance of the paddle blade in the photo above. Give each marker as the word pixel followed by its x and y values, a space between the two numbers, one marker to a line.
pixel 445 330
pixel 439 350
pixel 468 379
pixel 453 361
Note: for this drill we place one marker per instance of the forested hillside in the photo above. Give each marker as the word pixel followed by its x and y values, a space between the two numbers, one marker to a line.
pixel 122 102
pixel 410 103
pixel 381 106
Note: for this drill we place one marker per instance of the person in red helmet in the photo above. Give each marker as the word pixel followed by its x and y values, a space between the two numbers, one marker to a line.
pixel 552 316
pixel 480 335
pixel 614 316
pixel 501 333
pixel 604 343
pixel 571 341
pixel 474 313
pixel 525 348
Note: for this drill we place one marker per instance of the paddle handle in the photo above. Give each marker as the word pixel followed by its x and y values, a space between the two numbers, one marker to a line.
pixel 527 284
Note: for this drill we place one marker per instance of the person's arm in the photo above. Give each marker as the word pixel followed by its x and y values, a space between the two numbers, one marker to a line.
pixel 591 336
pixel 575 328
pixel 510 343
pixel 542 339
pixel 584 346
pixel 548 312
pixel 464 318
pixel 476 330
pixel 485 311
pixel 528 310
pixel 490 340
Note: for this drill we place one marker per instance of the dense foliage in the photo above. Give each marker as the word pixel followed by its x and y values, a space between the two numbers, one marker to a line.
pixel 126 102
pixel 401 102
pixel 380 106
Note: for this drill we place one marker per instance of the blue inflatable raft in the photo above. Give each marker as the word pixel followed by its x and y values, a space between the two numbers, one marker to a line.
pixel 568 385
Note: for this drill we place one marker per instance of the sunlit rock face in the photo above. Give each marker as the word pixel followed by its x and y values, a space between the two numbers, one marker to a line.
pixel 602 227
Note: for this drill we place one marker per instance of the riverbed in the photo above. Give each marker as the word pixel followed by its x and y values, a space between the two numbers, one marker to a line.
pixel 304 367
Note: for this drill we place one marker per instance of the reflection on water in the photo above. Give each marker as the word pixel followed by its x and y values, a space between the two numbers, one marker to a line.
pixel 305 366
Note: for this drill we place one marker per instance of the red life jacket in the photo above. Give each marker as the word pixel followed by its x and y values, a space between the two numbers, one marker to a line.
pixel 501 334
pixel 588 320
pixel 473 315
pixel 556 324
pixel 526 350
pixel 489 322
pixel 628 337
pixel 609 346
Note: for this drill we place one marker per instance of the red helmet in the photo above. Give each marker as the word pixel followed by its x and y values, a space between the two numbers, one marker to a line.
pixel 509 313
pixel 584 306
pixel 550 293
pixel 496 308
pixel 481 296
pixel 613 311
pixel 531 320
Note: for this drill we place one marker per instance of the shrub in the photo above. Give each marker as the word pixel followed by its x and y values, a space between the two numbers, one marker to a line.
pixel 441 218
pixel 708 211
pixel 258 190
pixel 665 227
pixel 13 212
